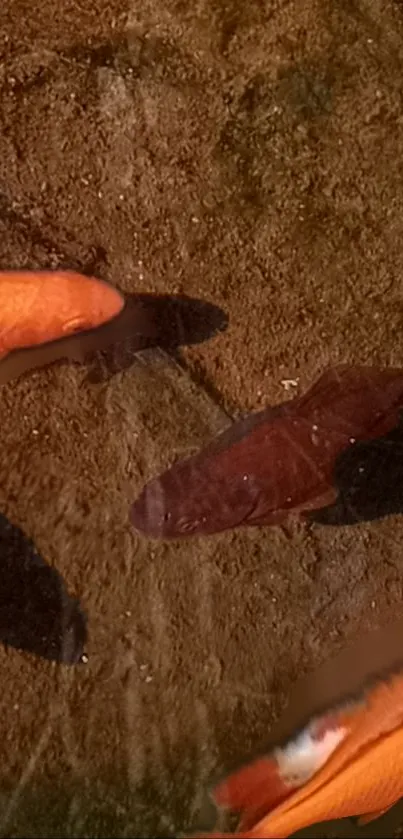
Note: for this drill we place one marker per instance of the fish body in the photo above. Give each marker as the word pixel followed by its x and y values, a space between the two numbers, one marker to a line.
pixel 40 307
pixel 361 789
pixel 346 761
pixel 275 462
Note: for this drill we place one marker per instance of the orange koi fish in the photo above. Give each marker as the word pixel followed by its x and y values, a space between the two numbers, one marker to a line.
pixel 345 761
pixel 49 315
pixel 40 307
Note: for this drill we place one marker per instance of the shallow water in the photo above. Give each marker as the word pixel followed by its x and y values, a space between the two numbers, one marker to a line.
pixel 247 155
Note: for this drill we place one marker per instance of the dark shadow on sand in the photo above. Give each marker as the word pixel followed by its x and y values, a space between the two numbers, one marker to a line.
pixel 37 615
pixel 150 320
pixel 369 478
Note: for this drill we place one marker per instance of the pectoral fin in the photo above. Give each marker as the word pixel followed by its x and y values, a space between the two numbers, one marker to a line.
pixel 370 817
pixel 253 790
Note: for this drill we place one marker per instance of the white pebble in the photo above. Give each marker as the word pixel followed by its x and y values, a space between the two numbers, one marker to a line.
pixel 288 383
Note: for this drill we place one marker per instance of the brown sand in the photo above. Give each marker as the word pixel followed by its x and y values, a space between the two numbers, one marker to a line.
pixel 249 153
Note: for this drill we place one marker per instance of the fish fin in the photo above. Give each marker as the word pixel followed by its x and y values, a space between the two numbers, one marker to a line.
pixel 366 818
pixel 258 788
pixel 254 790
pixel 215 835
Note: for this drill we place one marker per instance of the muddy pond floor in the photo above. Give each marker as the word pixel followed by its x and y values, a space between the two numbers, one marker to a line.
pixel 247 154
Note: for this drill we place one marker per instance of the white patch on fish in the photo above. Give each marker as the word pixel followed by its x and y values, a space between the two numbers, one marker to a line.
pixel 299 760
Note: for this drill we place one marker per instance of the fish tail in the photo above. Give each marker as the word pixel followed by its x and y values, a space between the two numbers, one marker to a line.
pixel 253 791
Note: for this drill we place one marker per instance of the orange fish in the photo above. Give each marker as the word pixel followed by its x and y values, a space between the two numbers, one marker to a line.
pixel 40 307
pixel 49 315
pixel 346 761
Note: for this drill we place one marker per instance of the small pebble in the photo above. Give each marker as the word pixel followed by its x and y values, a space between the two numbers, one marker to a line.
pixel 288 383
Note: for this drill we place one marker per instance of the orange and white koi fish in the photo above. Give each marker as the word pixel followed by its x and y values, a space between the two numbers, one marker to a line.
pixel 346 761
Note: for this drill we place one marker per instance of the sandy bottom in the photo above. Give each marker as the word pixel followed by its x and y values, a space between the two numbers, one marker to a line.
pixel 248 154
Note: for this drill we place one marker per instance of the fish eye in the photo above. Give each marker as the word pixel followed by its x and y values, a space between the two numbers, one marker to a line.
pixel 75 325
pixel 187 525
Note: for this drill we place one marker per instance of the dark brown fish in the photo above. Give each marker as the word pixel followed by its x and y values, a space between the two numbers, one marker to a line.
pixel 275 462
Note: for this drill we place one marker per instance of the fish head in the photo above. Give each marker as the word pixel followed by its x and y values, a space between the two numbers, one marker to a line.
pixel 191 499
pixel 88 304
